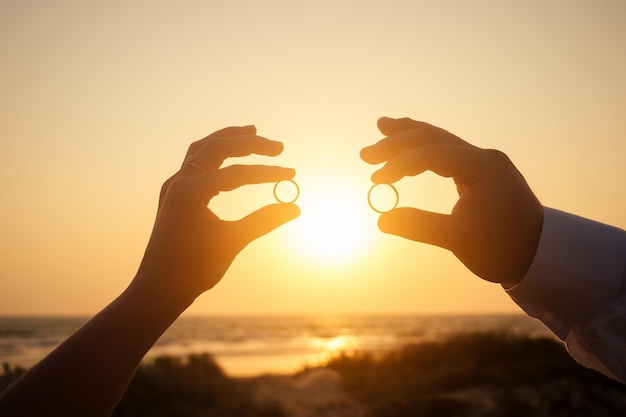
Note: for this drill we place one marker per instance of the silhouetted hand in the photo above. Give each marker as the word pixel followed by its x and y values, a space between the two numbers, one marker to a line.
pixel 191 248
pixel 495 225
pixel 189 251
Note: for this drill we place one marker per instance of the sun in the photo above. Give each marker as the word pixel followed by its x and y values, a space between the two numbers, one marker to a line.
pixel 332 228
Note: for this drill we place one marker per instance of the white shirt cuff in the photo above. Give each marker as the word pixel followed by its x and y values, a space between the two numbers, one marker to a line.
pixel 578 270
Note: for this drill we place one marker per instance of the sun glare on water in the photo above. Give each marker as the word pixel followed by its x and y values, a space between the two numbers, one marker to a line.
pixel 332 226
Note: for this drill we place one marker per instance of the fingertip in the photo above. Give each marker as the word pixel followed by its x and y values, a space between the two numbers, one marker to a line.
pixel 385 125
pixel 385 222
pixel 379 177
pixel 274 147
pixel 292 210
pixel 372 154
pixel 365 154
pixel 382 121
pixel 286 211
pixel 289 173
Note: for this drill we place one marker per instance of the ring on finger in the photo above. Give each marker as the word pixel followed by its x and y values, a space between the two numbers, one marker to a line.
pixel 189 161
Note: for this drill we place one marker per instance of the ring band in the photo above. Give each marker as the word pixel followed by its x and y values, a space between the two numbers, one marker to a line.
pixel 189 161
pixel 285 201
pixel 369 198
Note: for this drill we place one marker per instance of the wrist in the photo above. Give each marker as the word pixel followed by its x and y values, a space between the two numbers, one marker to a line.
pixel 158 300
pixel 534 228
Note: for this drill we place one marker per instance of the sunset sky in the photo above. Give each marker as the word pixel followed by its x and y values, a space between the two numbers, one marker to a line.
pixel 99 101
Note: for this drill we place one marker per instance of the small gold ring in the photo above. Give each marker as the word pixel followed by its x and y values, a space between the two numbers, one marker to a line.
pixel 189 161
pixel 369 198
pixel 285 201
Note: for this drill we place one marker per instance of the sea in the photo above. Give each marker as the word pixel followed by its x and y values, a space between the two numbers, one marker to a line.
pixel 257 345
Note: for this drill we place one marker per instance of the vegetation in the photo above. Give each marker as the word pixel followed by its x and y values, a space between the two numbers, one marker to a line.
pixel 9 374
pixel 480 374
pixel 470 375
pixel 196 387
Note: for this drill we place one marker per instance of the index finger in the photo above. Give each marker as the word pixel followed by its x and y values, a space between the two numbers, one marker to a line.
pixel 393 145
pixel 235 176
pixel 225 132
pixel 458 162
pixel 403 140
pixel 216 150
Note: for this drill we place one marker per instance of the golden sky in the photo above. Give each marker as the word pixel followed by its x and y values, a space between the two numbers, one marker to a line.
pixel 99 101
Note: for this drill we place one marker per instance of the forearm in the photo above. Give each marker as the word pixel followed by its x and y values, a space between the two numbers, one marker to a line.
pixel 88 373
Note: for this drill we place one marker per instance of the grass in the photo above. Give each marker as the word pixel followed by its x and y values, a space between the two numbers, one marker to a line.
pixel 466 375
pixel 195 387
pixel 479 374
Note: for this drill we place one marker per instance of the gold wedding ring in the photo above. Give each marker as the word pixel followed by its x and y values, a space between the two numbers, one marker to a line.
pixel 378 210
pixel 296 195
pixel 189 161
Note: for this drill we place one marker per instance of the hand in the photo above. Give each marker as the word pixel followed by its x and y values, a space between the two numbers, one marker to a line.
pixel 189 251
pixel 191 248
pixel 495 225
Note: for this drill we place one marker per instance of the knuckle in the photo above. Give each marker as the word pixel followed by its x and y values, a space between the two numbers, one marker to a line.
pixel 178 189
pixel 496 157
pixel 194 146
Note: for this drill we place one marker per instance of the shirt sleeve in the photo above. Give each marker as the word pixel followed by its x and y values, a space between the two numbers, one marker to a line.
pixel 576 287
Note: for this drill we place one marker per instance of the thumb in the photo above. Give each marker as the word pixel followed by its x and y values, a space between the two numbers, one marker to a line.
pixel 264 220
pixel 421 226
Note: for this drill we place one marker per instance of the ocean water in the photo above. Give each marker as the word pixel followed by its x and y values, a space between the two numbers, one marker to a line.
pixel 254 345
